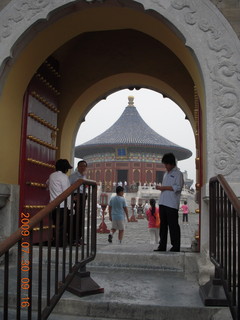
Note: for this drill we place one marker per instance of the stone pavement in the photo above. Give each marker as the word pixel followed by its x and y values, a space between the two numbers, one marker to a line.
pixel 137 232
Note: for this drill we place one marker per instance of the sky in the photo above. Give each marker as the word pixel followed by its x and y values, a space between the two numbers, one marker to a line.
pixel 161 114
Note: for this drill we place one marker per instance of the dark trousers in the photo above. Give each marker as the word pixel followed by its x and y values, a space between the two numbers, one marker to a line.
pixel 169 219
pixel 60 232
pixel 78 220
pixel 185 217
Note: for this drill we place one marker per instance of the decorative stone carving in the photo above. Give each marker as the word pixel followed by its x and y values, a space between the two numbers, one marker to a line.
pixel 215 42
pixel 190 15
pixel 22 9
pixel 224 72
pixel 157 3
pixel 210 38
pixel 218 3
pixel 29 8
pixel 26 10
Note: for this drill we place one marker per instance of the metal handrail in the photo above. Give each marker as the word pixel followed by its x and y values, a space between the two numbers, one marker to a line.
pixel 225 239
pixel 228 191
pixel 78 222
pixel 35 220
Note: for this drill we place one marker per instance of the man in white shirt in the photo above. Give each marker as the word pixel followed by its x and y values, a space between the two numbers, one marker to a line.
pixel 58 182
pixel 80 173
pixel 169 201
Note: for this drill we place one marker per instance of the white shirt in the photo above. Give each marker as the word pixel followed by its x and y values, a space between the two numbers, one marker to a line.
pixel 58 182
pixel 76 176
pixel 174 179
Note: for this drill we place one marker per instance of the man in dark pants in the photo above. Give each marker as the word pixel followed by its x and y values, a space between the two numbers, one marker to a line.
pixel 80 173
pixel 169 200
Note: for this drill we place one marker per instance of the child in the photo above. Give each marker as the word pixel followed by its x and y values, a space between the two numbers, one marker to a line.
pixel 153 222
pixel 185 211
pixel 117 211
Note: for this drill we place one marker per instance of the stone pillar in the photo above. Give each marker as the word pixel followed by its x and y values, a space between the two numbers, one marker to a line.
pixel 9 209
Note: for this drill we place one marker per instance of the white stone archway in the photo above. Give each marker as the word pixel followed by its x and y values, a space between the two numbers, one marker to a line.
pixel 209 37
pixel 206 33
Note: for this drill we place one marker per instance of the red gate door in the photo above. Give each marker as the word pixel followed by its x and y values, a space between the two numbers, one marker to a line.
pixel 38 141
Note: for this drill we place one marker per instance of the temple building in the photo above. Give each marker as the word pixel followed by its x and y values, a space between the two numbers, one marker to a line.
pixel 128 152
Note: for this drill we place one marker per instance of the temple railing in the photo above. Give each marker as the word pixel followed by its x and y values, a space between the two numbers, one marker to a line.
pixel 225 243
pixel 34 277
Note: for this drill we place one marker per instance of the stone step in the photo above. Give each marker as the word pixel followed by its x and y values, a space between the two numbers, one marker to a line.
pixel 131 293
pixel 143 257
pixel 137 257
pixel 78 317
pixel 223 314
pixel 134 294
pixel 53 316
pixel 139 295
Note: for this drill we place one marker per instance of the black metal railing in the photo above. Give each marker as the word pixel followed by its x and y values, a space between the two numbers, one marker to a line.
pixel 36 276
pixel 225 240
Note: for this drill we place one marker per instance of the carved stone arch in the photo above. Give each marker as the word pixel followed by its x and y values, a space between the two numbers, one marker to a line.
pixel 207 34
pixel 211 44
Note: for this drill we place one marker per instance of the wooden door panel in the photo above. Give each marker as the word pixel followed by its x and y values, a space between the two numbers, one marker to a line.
pixel 38 144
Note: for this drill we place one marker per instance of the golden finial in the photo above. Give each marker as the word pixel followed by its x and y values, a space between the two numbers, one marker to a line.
pixel 131 101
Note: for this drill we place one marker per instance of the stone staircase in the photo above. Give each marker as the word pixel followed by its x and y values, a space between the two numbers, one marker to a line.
pixel 141 284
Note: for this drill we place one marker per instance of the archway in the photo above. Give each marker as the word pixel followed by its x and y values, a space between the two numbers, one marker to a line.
pixel 165 118
pixel 206 51
pixel 159 112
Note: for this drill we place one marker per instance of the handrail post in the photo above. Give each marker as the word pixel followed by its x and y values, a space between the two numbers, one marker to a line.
pixel 212 293
pixel 82 284
pixel 48 275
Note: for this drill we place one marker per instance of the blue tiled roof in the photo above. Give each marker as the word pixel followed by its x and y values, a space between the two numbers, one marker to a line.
pixel 131 130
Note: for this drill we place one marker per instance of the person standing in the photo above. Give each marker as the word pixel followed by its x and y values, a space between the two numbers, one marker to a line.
pixel 57 183
pixel 185 211
pixel 120 183
pixel 153 222
pixel 169 201
pixel 80 173
pixel 117 211
pixel 126 186
pixel 146 207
